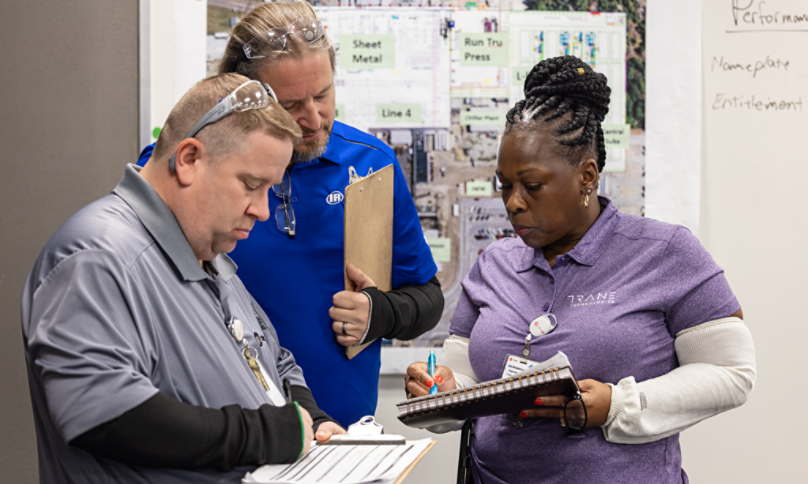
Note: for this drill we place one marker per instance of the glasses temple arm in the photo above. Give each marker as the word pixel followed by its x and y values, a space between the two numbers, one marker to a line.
pixel 216 113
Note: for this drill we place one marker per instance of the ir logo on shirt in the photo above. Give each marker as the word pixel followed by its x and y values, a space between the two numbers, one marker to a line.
pixel 334 198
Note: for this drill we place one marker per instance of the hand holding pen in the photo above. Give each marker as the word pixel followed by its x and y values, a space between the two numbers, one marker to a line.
pixel 418 381
pixel 430 368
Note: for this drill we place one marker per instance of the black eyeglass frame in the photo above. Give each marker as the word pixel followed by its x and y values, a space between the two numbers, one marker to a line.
pixel 288 210
pixel 573 429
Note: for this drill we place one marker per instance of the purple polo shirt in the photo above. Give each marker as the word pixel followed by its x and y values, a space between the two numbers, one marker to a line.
pixel 620 296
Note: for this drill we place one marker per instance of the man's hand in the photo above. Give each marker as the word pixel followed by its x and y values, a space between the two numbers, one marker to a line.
pixel 351 310
pixel 327 429
pixel 418 382
pixel 597 397
pixel 308 432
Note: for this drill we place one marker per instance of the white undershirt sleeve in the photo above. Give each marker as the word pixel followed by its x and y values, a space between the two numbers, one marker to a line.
pixel 717 373
pixel 455 355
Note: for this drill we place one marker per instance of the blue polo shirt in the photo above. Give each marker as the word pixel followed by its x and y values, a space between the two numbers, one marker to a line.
pixel 294 280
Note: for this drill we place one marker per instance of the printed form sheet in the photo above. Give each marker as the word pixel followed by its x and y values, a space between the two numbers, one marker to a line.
pixel 345 464
pixel 392 66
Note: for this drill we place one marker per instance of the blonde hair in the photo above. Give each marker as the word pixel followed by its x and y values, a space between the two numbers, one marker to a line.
pixel 256 24
pixel 227 135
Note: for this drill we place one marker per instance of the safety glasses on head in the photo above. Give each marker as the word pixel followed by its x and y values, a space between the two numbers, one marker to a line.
pixel 307 30
pixel 250 95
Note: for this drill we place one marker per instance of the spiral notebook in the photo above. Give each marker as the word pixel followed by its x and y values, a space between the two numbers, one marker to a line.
pixel 507 395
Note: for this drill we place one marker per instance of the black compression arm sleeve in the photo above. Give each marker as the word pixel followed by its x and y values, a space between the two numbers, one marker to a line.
pixel 405 312
pixel 164 432
pixel 304 398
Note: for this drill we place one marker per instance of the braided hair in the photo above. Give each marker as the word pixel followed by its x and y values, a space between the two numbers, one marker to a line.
pixel 567 93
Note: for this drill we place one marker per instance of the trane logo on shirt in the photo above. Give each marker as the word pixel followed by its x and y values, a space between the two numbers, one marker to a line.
pixel 589 299
pixel 334 198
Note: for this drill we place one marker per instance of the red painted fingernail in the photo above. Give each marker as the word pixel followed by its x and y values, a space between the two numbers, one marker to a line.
pixel 539 401
pixel 439 379
pixel 523 415
pixel 429 383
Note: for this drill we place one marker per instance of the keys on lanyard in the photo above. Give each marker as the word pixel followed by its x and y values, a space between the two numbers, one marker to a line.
pixel 254 366
pixel 236 329
pixel 250 354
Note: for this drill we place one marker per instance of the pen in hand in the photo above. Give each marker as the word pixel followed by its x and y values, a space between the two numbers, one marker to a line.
pixel 430 368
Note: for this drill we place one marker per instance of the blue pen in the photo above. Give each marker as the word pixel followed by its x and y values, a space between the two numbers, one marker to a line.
pixel 430 368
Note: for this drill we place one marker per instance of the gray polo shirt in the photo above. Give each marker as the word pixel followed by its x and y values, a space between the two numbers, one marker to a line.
pixel 117 308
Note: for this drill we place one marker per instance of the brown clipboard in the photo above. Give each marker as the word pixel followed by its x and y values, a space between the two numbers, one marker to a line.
pixel 414 463
pixel 369 232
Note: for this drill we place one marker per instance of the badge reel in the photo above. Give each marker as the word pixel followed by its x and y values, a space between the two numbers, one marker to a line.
pixel 540 326
pixel 250 354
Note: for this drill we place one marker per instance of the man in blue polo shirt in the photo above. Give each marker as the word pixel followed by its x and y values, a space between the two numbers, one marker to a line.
pixel 295 269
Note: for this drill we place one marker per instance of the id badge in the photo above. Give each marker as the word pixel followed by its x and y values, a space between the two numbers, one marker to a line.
pixel 516 364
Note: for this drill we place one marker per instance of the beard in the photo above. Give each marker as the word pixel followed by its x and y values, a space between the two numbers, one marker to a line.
pixel 310 150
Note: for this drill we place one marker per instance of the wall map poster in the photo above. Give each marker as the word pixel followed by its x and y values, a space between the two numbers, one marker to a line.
pixel 434 83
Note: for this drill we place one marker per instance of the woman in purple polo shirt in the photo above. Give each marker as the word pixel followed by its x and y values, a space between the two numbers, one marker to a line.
pixel 646 317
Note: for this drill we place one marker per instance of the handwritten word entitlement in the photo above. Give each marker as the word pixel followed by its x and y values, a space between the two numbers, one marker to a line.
pixel 725 102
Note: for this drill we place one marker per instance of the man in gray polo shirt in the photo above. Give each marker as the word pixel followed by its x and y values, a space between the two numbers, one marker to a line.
pixel 148 361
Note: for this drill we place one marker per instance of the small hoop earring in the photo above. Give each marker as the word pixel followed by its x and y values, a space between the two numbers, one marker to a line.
pixel 586 200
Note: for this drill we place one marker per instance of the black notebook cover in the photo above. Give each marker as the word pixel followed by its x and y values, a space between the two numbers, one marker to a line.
pixel 509 395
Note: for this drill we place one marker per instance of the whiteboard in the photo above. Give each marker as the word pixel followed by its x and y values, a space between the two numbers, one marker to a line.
pixel 420 75
pixel 754 224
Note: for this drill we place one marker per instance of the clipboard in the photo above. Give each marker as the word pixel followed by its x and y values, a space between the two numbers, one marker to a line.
pixel 369 231
pixel 331 460
pixel 415 462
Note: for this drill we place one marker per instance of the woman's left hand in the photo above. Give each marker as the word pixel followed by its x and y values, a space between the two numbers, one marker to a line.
pixel 597 397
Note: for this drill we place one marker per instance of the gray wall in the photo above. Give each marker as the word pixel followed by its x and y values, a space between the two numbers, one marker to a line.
pixel 68 125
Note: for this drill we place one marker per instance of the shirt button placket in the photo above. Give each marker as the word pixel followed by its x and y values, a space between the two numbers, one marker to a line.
pixel 546 306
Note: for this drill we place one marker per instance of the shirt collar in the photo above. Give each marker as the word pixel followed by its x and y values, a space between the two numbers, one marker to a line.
pixel 224 266
pixel 332 149
pixel 587 251
pixel 159 220
pixel 523 259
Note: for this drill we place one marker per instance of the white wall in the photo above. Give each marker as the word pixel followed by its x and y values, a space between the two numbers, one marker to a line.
pixel 673 112
pixel 177 53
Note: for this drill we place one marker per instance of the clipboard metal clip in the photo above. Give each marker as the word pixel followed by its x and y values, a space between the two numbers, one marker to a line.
pixel 367 431
pixel 366 426
pixel 353 177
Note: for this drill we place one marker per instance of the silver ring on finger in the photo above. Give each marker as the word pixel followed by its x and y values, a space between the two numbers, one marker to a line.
pixel 345 329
